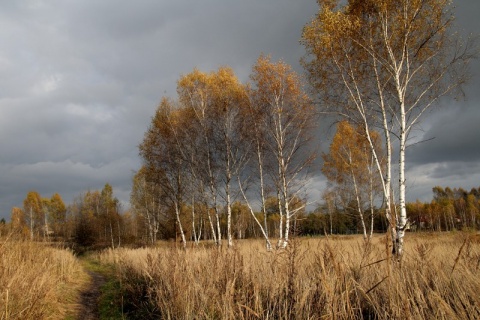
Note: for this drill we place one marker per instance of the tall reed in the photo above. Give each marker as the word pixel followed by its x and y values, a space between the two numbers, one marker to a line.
pixel 328 278
pixel 36 281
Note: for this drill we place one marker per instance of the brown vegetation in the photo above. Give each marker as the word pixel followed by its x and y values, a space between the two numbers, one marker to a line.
pixel 37 281
pixel 334 278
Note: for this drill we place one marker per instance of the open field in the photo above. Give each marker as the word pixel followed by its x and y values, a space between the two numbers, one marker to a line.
pixel 38 282
pixel 322 278
pixel 338 277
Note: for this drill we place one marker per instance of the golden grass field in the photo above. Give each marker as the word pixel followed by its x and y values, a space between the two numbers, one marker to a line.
pixel 321 278
pixel 38 281
pixel 337 277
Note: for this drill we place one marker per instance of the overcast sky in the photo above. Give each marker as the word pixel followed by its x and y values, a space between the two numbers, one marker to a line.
pixel 80 81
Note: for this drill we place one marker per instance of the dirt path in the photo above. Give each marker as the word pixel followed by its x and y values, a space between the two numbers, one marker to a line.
pixel 90 297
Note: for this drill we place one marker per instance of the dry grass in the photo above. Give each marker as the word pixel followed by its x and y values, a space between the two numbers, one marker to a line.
pixel 37 281
pixel 327 278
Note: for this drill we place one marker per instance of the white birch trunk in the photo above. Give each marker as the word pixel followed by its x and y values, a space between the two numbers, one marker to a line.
pixel 359 205
pixel 228 176
pixel 47 232
pixel 180 227
pixel 286 202
pixel 372 211
pixel 229 216
pixel 214 234
pixel 194 231
pixel 280 224
pixel 402 217
pixel 31 223
pixel 263 230
pixel 262 196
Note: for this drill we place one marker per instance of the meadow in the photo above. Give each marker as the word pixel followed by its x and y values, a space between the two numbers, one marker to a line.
pixel 335 277
pixel 38 281
pixel 314 278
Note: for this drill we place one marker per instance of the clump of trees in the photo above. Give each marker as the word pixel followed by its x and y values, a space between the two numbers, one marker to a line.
pixel 40 218
pixel 220 147
pixel 94 219
pixel 378 64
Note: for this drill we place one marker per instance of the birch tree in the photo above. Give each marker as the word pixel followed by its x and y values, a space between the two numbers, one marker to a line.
pixel 349 167
pixel 164 161
pixel 384 63
pixel 18 223
pixel 194 92
pixel 258 164
pixel 288 121
pixel 217 101
pixel 146 201
pixel 32 206
pixel 58 212
pixel 230 102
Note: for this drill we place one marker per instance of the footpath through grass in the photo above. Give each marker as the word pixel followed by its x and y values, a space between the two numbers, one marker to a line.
pixel 103 298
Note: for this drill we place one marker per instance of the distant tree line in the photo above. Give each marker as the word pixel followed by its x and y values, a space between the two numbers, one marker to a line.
pixel 95 219
pixel 450 209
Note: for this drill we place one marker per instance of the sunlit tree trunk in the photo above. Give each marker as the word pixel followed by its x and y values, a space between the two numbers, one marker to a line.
pixel 262 229
pixel 194 231
pixel 180 226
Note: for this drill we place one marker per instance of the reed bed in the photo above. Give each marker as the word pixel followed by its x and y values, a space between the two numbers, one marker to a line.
pixel 324 278
pixel 38 281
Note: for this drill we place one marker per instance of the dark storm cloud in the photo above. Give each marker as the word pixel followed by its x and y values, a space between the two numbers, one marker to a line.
pixel 453 136
pixel 80 80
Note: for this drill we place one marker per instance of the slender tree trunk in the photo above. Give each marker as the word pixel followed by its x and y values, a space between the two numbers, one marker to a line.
pixel 386 175
pixel 372 215
pixel 359 204
pixel 229 204
pixel 287 223
pixel 214 234
pixel 200 228
pixel 31 224
pixel 119 233
pixel 217 214
pixel 46 232
pixel 111 235
pixel 402 217
pixel 264 232
pixel 286 203
pixel 262 195
pixel 372 211
pixel 180 227
pixel 280 224
pixel 218 237
pixel 194 231
pixel 219 229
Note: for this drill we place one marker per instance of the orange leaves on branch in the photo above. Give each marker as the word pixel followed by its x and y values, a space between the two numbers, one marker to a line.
pixel 350 155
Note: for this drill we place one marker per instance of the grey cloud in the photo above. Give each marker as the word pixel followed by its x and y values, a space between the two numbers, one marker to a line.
pixel 80 81
pixel 68 178
pixel 455 133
